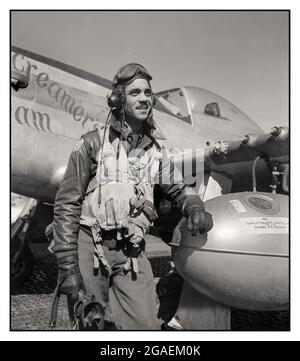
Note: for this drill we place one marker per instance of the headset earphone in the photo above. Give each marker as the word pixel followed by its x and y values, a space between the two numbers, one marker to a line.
pixel 117 98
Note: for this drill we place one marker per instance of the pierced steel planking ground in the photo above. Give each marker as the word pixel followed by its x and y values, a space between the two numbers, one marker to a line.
pixel 30 304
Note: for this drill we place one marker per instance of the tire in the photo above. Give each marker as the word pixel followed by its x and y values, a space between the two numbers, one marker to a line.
pixel 22 269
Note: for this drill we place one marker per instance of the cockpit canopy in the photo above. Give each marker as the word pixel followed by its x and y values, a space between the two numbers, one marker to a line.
pixel 192 104
pixel 174 101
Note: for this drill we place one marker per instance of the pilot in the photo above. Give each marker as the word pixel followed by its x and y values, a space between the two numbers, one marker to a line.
pixel 104 206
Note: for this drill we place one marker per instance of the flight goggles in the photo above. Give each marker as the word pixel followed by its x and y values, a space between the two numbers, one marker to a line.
pixel 129 72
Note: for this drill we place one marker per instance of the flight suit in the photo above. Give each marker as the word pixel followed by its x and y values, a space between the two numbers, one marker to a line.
pixel 131 297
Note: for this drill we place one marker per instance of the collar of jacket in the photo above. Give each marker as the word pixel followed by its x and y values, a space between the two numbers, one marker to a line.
pixel 143 140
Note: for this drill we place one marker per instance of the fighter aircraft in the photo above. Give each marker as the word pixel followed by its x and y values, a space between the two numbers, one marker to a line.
pixel 240 172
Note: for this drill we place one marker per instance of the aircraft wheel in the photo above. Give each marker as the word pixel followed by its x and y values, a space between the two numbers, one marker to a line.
pixel 22 268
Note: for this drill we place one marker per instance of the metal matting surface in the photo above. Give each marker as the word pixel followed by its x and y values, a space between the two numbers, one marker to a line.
pixel 30 304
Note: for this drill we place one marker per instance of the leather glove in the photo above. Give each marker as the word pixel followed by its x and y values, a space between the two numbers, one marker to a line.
pixel 199 221
pixel 69 277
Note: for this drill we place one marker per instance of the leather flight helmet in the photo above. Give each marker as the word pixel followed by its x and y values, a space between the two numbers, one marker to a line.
pixel 126 75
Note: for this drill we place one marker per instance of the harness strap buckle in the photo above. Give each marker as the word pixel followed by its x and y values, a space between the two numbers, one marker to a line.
pixel 131 263
pixel 99 253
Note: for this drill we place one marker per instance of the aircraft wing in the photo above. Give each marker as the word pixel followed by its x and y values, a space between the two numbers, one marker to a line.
pixel 272 145
pixel 267 155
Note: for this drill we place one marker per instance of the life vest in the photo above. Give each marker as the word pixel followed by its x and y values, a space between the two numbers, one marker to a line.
pixel 125 183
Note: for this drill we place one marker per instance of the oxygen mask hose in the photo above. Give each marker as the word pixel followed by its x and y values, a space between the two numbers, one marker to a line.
pixel 54 306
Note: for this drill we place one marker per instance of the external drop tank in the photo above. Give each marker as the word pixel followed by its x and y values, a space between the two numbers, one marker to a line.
pixel 243 261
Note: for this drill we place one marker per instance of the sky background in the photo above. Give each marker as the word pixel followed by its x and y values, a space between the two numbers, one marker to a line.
pixel 240 55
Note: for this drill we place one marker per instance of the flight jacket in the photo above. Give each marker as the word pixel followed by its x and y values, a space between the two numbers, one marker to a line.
pixel 81 168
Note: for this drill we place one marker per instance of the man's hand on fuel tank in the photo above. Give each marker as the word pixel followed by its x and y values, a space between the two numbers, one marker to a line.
pixel 199 221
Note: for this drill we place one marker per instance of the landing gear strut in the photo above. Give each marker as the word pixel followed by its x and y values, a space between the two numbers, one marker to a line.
pixel 21 257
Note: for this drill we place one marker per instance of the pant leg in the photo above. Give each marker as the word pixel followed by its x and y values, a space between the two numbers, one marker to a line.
pixel 97 285
pixel 197 312
pixel 132 301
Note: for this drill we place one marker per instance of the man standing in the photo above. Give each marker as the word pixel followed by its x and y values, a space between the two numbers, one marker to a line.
pixel 104 206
